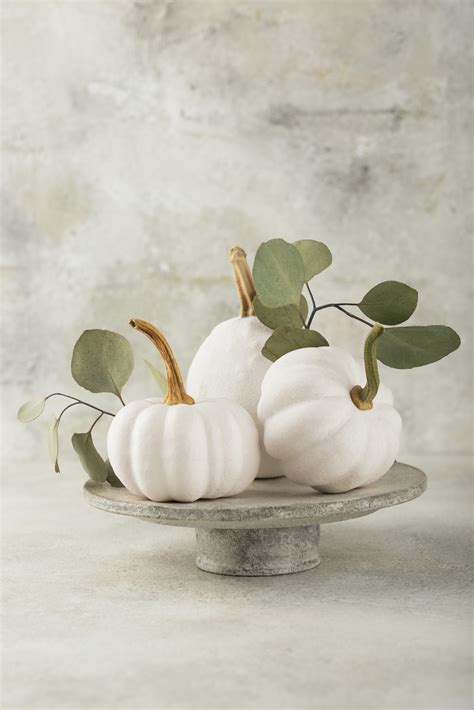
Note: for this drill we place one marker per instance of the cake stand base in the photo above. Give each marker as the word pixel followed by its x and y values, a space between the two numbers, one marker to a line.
pixel 272 527
pixel 257 552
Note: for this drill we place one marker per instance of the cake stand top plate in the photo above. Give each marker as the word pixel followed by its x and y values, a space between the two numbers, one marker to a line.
pixel 268 503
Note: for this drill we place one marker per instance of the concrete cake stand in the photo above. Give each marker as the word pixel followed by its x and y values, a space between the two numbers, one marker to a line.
pixel 271 528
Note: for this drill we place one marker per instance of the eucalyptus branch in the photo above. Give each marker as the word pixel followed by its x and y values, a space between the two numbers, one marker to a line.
pixel 351 315
pixel 79 401
pixel 310 294
pixel 307 325
pixel 74 404
pixel 339 307
pixel 95 421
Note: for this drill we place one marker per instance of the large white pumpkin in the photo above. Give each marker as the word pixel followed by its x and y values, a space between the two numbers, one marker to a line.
pixel 179 449
pixel 230 364
pixel 318 425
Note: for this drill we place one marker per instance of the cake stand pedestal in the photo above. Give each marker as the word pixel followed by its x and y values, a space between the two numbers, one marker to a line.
pixel 271 528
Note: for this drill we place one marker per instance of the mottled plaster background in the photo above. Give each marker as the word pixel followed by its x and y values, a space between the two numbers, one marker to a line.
pixel 143 139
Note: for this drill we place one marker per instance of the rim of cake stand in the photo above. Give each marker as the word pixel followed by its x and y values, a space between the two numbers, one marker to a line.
pixel 267 503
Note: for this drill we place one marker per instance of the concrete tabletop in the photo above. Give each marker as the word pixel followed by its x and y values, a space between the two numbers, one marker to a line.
pixel 105 611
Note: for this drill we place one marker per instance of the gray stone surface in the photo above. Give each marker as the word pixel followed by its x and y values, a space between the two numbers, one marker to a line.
pixel 272 527
pixel 257 552
pixel 103 612
pixel 267 503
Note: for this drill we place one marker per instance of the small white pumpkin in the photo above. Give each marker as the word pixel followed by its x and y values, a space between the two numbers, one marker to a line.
pixel 230 364
pixel 328 431
pixel 180 450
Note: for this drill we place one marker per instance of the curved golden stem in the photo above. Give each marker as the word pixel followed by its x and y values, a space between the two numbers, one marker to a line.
pixel 176 393
pixel 243 281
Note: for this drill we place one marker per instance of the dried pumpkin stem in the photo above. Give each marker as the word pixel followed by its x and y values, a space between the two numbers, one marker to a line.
pixel 176 393
pixel 363 397
pixel 243 281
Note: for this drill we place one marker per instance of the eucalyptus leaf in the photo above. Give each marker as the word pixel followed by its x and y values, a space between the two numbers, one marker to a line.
pixel 282 315
pixel 415 346
pixel 53 442
pixel 285 339
pixel 92 462
pixel 303 307
pixel 278 272
pixel 390 302
pixel 102 361
pixel 111 476
pixel 31 410
pixel 316 257
pixel 159 377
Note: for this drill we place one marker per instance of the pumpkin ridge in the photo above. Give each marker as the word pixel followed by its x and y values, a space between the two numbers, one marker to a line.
pixel 339 477
pixel 237 428
pixel 144 420
pixel 382 443
pixel 310 442
pixel 167 434
pixel 189 455
pixel 353 470
pixel 212 486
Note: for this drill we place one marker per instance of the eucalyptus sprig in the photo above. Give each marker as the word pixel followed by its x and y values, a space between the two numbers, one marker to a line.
pixel 281 270
pixel 102 361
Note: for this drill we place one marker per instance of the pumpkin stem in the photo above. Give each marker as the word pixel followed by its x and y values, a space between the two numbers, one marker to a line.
pixel 363 397
pixel 176 393
pixel 243 281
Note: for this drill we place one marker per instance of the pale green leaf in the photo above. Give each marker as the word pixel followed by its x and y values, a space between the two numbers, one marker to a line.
pixel 31 410
pixel 278 272
pixel 304 308
pixel 282 315
pixel 316 257
pixel 159 377
pixel 53 442
pixel 92 462
pixel 415 346
pixel 102 361
pixel 285 339
pixel 390 302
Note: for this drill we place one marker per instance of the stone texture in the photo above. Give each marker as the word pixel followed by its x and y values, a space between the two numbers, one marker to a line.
pixel 259 552
pixel 272 527
pixel 142 139
pixel 103 612
pixel 271 503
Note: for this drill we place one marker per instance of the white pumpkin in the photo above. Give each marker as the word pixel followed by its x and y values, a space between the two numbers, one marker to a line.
pixel 327 431
pixel 178 449
pixel 230 364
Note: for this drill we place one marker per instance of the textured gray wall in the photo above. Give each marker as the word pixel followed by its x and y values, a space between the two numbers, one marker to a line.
pixel 142 139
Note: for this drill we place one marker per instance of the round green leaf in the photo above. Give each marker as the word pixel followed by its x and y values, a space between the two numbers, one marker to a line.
pixel 390 302
pixel 53 442
pixel 102 361
pixel 278 272
pixel 285 339
pixel 415 346
pixel 316 257
pixel 92 462
pixel 31 410
pixel 159 377
pixel 283 315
